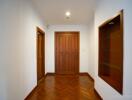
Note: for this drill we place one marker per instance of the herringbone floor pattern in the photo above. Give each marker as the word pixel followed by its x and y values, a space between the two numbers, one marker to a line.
pixel 65 87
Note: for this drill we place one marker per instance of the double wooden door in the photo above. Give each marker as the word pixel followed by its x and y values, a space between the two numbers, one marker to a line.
pixel 67 52
pixel 40 54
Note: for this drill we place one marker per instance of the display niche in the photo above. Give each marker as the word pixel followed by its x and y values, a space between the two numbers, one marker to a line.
pixel 111 52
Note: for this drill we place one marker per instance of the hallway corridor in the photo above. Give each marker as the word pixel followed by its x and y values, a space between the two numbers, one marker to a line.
pixel 65 87
pixel 65 49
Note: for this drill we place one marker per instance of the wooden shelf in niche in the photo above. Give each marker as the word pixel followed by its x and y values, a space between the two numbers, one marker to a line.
pixel 111 52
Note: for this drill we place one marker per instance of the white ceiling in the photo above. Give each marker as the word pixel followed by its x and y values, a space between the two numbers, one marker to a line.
pixel 53 11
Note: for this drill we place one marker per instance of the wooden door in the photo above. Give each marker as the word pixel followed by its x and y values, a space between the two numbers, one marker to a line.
pixel 40 54
pixel 67 52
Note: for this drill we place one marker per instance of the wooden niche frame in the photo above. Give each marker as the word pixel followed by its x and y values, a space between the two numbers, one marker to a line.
pixel 111 52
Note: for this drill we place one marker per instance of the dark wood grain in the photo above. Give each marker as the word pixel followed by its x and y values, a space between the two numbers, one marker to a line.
pixel 67 52
pixel 111 52
pixel 40 54
pixel 65 87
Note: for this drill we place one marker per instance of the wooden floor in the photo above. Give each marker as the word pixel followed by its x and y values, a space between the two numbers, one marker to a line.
pixel 66 87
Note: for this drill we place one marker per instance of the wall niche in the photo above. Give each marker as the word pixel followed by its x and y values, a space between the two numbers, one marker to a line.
pixel 111 52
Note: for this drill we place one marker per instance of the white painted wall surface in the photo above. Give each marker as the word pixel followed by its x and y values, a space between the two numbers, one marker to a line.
pixel 105 10
pixel 91 49
pixel 84 45
pixel 18 21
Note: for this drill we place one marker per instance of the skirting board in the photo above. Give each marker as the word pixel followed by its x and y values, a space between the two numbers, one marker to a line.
pixel 87 74
pixel 33 90
pixel 83 73
pixel 98 94
pixel 30 94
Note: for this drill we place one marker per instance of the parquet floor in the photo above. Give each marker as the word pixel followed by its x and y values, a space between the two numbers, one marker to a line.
pixel 65 87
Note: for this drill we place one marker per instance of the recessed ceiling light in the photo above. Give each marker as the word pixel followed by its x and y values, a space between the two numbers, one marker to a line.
pixel 68 14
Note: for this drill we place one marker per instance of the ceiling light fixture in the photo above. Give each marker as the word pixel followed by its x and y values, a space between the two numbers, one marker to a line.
pixel 68 14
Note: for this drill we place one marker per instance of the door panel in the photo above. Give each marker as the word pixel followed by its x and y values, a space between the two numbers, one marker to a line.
pixel 67 52
pixel 40 55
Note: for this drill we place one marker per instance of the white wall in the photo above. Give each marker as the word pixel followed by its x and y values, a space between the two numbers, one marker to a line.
pixel 105 10
pixel 91 49
pixel 84 45
pixel 18 22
